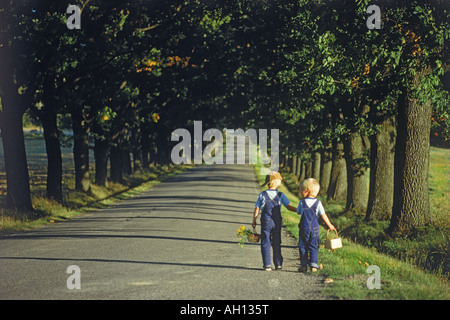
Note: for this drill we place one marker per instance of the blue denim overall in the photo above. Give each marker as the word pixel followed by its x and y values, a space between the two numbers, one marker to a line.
pixel 309 235
pixel 271 230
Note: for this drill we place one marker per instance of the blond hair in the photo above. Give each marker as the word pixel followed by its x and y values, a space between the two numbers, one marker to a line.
pixel 275 183
pixel 311 185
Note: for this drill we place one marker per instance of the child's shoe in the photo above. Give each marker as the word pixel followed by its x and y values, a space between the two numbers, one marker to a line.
pixel 278 267
pixel 269 268
pixel 303 269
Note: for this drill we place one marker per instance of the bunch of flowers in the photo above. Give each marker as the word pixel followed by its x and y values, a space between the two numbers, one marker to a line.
pixel 246 235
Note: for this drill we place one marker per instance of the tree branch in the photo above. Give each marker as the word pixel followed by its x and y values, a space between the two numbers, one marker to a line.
pixel 84 5
pixel 148 28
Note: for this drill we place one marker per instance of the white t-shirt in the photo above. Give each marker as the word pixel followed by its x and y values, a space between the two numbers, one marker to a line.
pixel 261 201
pixel 309 202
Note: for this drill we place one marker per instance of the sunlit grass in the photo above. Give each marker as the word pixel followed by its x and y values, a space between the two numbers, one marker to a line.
pixel 439 185
pixel 76 203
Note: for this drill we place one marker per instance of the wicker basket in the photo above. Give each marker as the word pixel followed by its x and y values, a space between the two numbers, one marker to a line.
pixel 333 243
pixel 254 237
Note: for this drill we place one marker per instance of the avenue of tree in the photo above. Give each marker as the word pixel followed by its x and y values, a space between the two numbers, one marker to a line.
pixel 344 97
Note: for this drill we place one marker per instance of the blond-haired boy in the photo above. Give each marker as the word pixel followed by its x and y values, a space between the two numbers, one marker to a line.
pixel 310 209
pixel 269 203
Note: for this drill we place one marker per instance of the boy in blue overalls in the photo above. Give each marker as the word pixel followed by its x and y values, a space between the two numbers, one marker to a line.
pixel 269 202
pixel 310 209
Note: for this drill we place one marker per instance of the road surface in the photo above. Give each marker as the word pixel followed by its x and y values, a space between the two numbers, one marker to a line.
pixel 176 241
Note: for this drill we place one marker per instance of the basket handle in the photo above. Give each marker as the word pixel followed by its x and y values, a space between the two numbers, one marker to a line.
pixel 334 231
pixel 254 229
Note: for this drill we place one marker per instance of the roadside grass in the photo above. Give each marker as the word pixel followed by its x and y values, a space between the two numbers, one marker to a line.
pixel 439 186
pixel 75 203
pixel 427 247
pixel 347 266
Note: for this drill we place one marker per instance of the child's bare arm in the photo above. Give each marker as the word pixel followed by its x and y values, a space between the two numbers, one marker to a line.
pixel 291 208
pixel 327 221
pixel 255 215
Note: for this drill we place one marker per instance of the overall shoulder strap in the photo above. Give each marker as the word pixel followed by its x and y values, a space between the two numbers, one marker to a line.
pixel 304 205
pixel 315 205
pixel 302 201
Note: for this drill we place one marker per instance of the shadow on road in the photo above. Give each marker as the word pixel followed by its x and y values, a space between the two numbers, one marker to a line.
pixel 136 262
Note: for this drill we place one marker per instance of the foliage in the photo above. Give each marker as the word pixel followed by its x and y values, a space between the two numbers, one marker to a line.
pixel 246 235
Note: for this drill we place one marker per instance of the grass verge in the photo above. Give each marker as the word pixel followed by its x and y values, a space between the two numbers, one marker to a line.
pixel 347 267
pixel 75 203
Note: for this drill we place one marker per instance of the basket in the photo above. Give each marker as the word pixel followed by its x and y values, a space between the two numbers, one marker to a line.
pixel 254 237
pixel 333 243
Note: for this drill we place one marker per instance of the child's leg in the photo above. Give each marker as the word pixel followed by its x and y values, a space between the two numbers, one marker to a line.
pixel 314 250
pixel 267 226
pixel 276 244
pixel 265 247
pixel 303 248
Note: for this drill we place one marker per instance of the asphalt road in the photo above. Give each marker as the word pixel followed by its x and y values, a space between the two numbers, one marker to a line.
pixel 176 241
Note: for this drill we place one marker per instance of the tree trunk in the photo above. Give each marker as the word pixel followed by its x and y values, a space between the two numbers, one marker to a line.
pixel 18 196
pixel 299 166
pixel 145 147
pixel 13 106
pixel 381 187
pixel 12 109
pixel 115 158
pixel 162 144
pixel 137 160
pixel 159 148
pixel 308 168
pixel 325 169
pixel 54 158
pixel 165 151
pixel 302 170
pixel 316 166
pixel 137 153
pixel 288 161
pixel 412 151
pixel 294 164
pixel 337 188
pixel 101 154
pixel 81 151
pixel 354 154
pixel 126 161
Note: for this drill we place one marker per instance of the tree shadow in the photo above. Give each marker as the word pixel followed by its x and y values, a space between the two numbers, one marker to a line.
pixel 135 262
